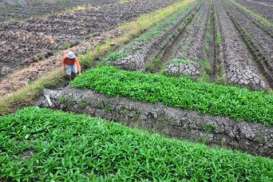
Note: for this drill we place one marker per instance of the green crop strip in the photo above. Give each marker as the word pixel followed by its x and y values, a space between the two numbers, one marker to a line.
pixel 234 102
pixel 45 145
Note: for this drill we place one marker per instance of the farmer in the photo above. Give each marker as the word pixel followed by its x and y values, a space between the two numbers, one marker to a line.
pixel 72 65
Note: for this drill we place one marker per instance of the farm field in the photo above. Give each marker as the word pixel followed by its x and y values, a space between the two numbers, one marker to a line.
pixel 217 41
pixel 23 9
pixel 52 145
pixel 38 38
pixel 189 82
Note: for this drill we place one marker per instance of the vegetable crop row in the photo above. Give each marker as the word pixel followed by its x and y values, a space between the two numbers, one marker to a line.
pixel 220 100
pixel 45 145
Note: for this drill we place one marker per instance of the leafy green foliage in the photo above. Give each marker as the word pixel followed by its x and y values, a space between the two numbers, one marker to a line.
pixel 178 61
pixel 219 39
pixel 114 56
pixel 234 102
pixel 44 145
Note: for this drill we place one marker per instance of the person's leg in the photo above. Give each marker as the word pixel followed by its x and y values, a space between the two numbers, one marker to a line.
pixel 74 71
pixel 69 71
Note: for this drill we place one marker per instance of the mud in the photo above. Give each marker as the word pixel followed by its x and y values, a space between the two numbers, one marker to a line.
pixel 248 137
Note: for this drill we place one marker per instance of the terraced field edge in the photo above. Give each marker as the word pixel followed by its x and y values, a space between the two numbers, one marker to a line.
pixel 60 146
pixel 219 100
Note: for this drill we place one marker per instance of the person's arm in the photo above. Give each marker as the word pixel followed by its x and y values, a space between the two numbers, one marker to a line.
pixel 63 65
pixel 78 66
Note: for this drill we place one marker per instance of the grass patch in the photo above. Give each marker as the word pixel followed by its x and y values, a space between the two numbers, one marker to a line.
pixel 154 66
pixel 177 61
pixel 131 29
pixel 114 56
pixel 219 100
pixel 45 145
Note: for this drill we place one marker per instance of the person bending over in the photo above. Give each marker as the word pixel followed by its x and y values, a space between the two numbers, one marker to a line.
pixel 72 65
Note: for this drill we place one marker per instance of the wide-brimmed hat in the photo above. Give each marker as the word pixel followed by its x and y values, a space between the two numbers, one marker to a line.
pixel 71 55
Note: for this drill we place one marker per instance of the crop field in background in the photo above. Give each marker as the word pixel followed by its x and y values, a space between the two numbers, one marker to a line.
pixel 216 40
pixel 211 57
pixel 36 39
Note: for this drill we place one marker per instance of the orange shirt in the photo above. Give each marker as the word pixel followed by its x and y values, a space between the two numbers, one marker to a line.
pixel 68 61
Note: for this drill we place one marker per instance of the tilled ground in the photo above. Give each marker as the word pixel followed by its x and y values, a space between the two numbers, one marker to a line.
pixel 207 42
pixel 258 40
pixel 189 48
pixel 208 35
pixel 19 10
pixel 264 8
pixel 240 67
pixel 141 52
pixel 23 43
pixel 183 40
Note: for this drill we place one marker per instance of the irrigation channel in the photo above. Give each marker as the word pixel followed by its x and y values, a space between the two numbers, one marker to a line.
pixel 209 41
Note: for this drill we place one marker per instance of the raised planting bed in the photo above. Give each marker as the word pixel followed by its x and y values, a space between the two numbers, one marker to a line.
pixel 140 52
pixel 43 145
pixel 233 102
pixel 186 55
pixel 258 20
pixel 265 9
pixel 240 67
pixel 248 137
